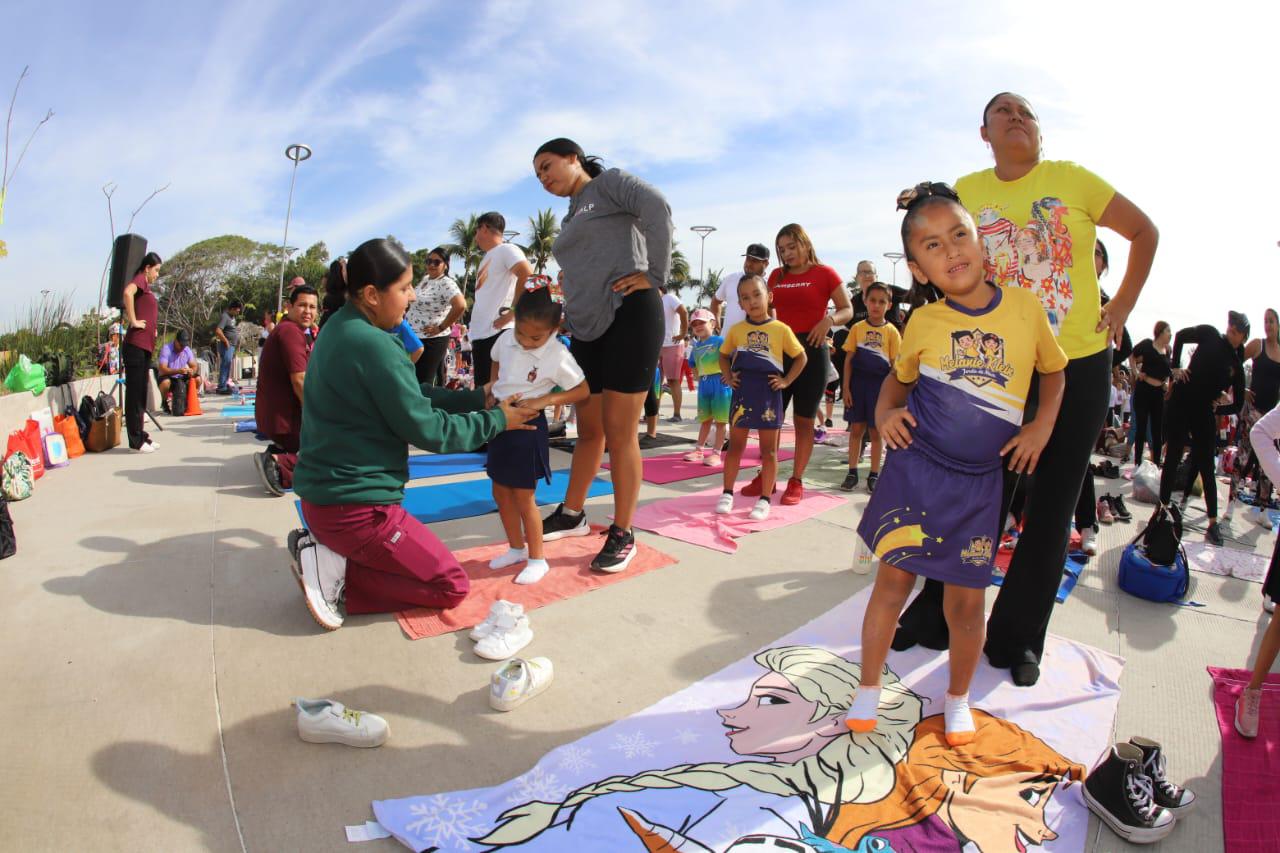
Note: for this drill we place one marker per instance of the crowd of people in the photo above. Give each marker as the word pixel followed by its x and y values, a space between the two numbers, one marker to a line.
pixel 993 376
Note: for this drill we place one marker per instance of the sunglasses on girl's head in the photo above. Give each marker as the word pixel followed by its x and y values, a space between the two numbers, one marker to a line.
pixel 923 190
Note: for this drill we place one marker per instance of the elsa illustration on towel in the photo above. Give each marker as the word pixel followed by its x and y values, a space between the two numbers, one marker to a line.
pixel 807 763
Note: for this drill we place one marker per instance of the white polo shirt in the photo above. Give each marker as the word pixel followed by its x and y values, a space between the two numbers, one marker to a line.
pixel 533 372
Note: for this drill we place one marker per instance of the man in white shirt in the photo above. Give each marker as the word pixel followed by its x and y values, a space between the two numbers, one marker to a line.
pixel 499 284
pixel 676 317
pixel 755 262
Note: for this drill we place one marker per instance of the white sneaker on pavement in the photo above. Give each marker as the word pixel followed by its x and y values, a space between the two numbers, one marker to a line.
pixel 324 574
pixel 1260 517
pixel 724 506
pixel 1089 541
pixel 326 721
pixel 500 608
pixel 519 680
pixel 507 638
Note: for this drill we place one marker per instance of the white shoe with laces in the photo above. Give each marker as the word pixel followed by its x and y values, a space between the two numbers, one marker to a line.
pixel 148 447
pixel 324 576
pixel 1260 517
pixel 326 721
pixel 509 636
pixel 1089 541
pixel 1248 707
pixel 497 611
pixel 519 680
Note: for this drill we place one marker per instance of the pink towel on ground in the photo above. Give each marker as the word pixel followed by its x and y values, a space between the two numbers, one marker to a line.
pixel 1250 769
pixel 570 575
pixel 692 518
pixel 671 467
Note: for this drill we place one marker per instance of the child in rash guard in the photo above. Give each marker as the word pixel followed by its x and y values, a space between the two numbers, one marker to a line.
pixel 950 412
pixel 751 364
pixel 529 363
pixel 713 395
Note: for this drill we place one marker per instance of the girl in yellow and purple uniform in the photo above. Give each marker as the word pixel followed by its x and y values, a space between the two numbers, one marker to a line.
pixel 950 411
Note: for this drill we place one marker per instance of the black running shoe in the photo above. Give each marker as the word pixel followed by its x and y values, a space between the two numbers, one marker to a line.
pixel 828 423
pixel 268 472
pixel 619 548
pixel 850 482
pixel 562 523
pixel 647 441
pixel 1213 534
pixel 872 479
pixel 1119 509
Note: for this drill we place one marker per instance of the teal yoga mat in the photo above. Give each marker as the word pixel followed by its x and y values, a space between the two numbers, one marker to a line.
pixel 237 411
pixel 425 465
pixel 447 501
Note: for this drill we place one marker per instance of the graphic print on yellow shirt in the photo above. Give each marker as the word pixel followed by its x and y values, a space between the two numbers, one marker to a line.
pixel 874 348
pixel 1038 233
pixel 972 370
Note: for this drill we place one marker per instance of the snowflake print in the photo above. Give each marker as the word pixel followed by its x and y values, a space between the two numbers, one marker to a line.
pixel 537 784
pixel 687 736
pixel 575 759
pixel 632 745
pixel 443 820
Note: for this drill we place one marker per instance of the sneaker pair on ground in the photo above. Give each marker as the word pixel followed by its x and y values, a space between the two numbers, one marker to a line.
pixel 1111 508
pixel 759 512
pixel 503 632
pixel 327 721
pixel 1130 792
pixel 148 446
pixel 619 545
pixel 708 457
pixel 791 495
pixel 519 680
pixel 1259 517
pixel 850 481
pixel 321 574
pixel 268 472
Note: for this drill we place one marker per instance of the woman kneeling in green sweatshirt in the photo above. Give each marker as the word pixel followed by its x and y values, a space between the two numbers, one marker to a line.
pixel 362 407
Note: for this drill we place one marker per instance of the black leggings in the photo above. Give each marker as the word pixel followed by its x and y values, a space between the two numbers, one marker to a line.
pixel 431 362
pixel 1148 408
pixel 137 372
pixel 1020 617
pixel 1190 418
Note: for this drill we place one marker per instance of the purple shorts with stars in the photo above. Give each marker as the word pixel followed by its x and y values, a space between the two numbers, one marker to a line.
pixel 934 517
pixel 755 405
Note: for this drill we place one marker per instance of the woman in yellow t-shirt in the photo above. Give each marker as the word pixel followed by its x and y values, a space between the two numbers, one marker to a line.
pixel 1037 220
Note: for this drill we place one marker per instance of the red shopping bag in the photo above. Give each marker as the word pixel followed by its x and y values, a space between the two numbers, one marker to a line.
pixel 29 442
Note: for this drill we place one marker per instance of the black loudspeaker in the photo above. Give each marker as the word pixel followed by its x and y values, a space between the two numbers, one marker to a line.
pixel 126 257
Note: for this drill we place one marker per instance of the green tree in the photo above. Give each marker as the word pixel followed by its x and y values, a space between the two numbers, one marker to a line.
pixel 543 229
pixel 311 265
pixel 198 280
pixel 463 234
pixel 679 274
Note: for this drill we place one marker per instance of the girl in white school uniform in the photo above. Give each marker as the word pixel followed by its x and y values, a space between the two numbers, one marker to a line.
pixel 530 364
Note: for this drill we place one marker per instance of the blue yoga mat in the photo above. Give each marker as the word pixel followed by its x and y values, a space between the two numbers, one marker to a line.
pixel 425 465
pixel 447 501
pixel 247 426
pixel 1071 570
pixel 237 411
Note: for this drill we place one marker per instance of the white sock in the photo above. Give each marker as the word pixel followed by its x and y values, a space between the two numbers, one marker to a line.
pixel 513 556
pixel 533 571
pixel 959 720
pixel 866 704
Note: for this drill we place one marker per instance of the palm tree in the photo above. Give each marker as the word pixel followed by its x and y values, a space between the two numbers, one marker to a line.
pixel 707 289
pixel 543 229
pixel 679 275
pixel 463 234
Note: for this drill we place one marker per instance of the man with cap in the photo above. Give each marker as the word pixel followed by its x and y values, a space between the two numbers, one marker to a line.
pixel 176 366
pixel 1195 400
pixel 755 262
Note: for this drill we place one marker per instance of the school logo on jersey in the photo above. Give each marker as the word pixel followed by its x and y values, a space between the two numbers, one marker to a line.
pixel 978 357
pixel 533 374
pixel 757 341
pixel 978 552
pixel 874 339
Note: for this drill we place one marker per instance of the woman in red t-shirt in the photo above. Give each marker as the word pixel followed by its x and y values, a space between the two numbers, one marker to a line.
pixel 800 290
pixel 141 313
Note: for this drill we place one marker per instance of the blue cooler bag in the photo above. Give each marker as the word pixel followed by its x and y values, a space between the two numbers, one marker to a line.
pixel 1145 579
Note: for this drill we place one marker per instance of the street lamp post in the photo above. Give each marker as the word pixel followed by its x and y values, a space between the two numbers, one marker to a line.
pixel 297 152
pixel 510 235
pixel 895 257
pixel 702 231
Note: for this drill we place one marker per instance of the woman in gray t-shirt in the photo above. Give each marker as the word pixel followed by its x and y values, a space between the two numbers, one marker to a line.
pixel 614 248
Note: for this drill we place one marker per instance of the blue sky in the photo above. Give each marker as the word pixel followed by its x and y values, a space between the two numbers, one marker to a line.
pixel 747 115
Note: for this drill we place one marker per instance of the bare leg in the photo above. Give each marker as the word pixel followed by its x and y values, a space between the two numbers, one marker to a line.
pixel 720 430
pixel 1267 651
pixel 588 452
pixel 509 512
pixel 704 429
pixel 733 459
pixel 855 444
pixel 619 415
pixel 877 451
pixel 768 460
pixel 963 608
pixel 676 395
pixel 804 446
pixel 893 587
pixel 651 426
pixel 523 503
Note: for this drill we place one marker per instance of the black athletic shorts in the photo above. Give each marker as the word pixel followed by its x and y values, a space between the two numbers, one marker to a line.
pixel 624 357
pixel 806 391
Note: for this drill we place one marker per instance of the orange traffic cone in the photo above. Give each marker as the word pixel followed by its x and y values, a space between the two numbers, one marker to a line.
pixel 193 398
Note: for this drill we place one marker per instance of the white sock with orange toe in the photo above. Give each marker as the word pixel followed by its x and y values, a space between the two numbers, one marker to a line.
pixel 864 710
pixel 959 720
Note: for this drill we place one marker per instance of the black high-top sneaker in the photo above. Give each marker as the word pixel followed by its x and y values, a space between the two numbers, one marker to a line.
pixel 1119 793
pixel 1175 798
